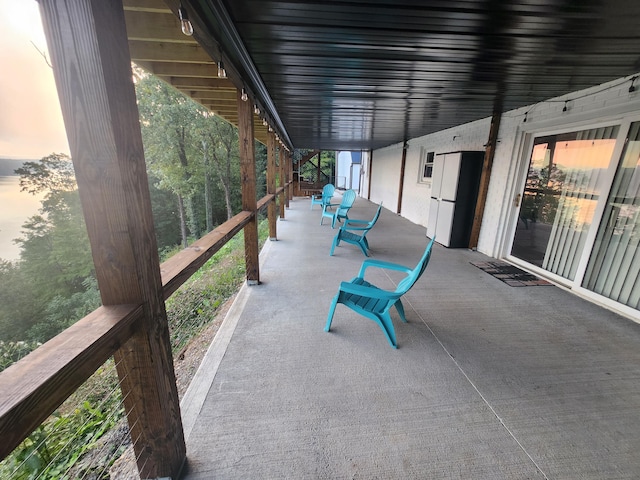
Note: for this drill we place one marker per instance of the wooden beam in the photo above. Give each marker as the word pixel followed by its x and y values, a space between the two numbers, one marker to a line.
pixel 281 183
pixel 38 384
pixel 485 177
pixel 185 263
pixel 194 70
pixel 92 68
pixel 167 52
pixel 265 201
pixel 146 6
pixel 248 182
pixel 222 85
pixel 403 164
pixel 291 186
pixel 271 184
pixel 155 27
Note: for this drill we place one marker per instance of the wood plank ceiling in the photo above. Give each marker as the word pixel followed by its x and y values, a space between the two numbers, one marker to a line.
pixel 157 44
pixel 358 74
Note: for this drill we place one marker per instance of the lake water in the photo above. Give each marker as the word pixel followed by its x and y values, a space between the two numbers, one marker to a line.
pixel 15 208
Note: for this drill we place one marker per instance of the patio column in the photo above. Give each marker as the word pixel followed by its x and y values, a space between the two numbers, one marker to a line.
pixel 271 184
pixel 485 177
pixel 287 177
pixel 403 165
pixel 283 196
pixel 92 68
pixel 370 173
pixel 248 185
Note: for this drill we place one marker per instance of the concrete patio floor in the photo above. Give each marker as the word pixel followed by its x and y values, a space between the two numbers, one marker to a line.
pixel 489 381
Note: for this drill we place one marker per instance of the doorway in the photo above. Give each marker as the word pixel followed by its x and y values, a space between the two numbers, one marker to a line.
pixel 566 179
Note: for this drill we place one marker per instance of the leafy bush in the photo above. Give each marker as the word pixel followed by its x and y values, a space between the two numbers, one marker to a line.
pixel 11 352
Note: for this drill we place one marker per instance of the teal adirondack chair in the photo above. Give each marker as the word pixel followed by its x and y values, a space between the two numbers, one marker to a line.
pixel 355 232
pixel 375 303
pixel 325 198
pixel 348 199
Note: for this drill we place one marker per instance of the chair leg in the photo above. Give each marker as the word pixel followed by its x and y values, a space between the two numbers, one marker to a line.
pixel 400 309
pixel 332 310
pixel 336 242
pixel 387 327
pixel 363 248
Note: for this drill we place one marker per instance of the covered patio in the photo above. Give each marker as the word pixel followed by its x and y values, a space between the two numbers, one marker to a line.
pixel 489 381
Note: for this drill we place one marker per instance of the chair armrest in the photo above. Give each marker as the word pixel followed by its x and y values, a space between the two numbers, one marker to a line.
pixel 368 292
pixel 372 262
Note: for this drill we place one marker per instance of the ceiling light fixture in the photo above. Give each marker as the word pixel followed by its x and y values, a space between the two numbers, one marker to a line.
pixel 256 109
pixel 632 88
pixel 564 109
pixel 185 23
pixel 244 97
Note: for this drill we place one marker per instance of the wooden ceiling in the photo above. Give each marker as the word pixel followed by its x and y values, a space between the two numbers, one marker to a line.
pixel 157 44
pixel 356 74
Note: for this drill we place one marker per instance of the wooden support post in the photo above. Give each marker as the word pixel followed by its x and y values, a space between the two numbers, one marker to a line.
pixel 319 170
pixel 281 183
pixel 271 184
pixel 287 178
pixel 248 182
pixel 486 173
pixel 403 165
pixel 291 185
pixel 92 68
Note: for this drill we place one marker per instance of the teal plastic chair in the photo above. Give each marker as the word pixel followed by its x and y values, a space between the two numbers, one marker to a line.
pixel 324 198
pixel 348 199
pixel 355 232
pixel 375 303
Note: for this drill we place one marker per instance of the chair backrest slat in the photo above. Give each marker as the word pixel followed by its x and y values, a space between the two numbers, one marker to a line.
pixel 416 273
pixel 328 191
pixel 348 198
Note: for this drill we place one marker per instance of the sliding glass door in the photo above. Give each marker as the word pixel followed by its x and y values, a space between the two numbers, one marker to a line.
pixel 614 266
pixel 565 179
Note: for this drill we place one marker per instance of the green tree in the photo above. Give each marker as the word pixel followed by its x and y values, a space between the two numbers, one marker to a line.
pixel 55 259
pixel 167 120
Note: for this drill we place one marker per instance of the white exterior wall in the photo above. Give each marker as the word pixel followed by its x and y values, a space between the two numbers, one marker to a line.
pixel 343 169
pixel 603 103
pixel 385 176
pixel 416 195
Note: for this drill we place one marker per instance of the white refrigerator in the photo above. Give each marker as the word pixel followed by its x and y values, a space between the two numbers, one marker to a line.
pixel 454 192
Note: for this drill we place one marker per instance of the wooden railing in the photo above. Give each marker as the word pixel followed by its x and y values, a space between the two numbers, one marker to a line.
pixel 32 388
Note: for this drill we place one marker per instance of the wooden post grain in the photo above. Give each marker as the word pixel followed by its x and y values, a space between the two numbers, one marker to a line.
pixel 485 177
pixel 248 182
pixel 271 184
pixel 92 68
pixel 283 196
pixel 290 176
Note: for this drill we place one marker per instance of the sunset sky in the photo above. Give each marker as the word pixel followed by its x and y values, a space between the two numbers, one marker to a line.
pixel 30 120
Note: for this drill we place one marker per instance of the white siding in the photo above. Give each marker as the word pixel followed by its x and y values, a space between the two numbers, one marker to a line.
pixel 386 176
pixel 604 102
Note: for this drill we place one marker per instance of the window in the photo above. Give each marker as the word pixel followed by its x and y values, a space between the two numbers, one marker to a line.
pixel 426 166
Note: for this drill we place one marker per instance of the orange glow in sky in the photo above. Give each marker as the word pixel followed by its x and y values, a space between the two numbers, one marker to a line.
pixel 31 124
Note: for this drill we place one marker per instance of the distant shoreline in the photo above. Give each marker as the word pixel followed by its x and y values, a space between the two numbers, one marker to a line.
pixel 9 165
